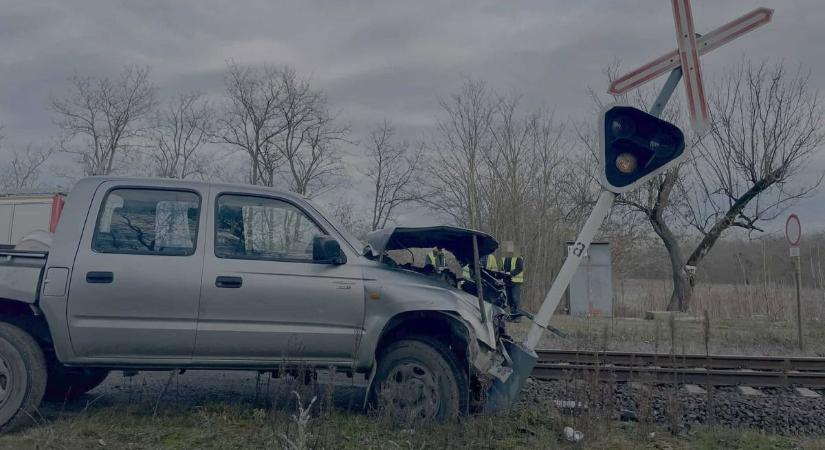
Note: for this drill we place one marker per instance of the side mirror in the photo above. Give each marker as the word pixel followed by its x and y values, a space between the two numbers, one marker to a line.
pixel 325 249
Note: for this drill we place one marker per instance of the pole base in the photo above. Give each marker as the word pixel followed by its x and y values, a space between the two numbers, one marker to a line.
pixel 503 395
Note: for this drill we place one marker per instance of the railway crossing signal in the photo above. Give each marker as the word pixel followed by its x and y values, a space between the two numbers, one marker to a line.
pixel 635 146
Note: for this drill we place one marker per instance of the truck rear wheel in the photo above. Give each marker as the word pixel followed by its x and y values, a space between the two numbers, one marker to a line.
pixel 69 383
pixel 419 379
pixel 22 377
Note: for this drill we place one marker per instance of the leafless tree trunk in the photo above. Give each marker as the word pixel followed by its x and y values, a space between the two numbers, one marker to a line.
pixel 309 142
pixel 284 126
pixel 104 120
pixel 454 167
pixel 394 173
pixel 767 125
pixel 251 120
pixel 182 130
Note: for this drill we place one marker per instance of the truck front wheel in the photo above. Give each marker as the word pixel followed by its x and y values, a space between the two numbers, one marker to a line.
pixel 22 377
pixel 419 379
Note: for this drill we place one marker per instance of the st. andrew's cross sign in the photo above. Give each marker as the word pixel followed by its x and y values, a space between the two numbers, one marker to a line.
pixel 687 56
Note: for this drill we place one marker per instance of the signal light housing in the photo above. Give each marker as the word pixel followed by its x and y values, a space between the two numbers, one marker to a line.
pixel 636 146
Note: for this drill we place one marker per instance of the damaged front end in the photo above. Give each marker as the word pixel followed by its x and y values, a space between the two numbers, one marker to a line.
pixel 500 365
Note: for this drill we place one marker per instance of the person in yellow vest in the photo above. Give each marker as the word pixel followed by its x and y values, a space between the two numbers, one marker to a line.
pixel 435 258
pixel 513 265
pixel 489 263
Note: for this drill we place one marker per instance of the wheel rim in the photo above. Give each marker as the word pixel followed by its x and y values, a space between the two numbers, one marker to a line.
pixel 6 380
pixel 413 391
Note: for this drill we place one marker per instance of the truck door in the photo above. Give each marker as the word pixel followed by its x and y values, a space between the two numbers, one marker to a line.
pixel 136 279
pixel 263 296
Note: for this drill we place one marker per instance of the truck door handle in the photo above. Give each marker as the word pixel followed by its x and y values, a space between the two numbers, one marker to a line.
pixel 228 282
pixel 99 277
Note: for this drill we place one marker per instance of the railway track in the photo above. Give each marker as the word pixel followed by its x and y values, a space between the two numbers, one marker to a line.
pixel 716 370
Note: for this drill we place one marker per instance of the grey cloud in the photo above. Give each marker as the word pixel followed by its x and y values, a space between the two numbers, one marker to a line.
pixel 375 59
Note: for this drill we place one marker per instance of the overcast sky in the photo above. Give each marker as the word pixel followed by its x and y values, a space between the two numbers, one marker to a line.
pixel 375 59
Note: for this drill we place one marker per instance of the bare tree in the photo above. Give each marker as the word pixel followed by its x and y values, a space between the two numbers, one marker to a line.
pixel 497 167
pixel 767 125
pixel 22 172
pixel 251 120
pixel 309 142
pixel 104 120
pixel 456 159
pixel 354 219
pixel 394 173
pixel 183 127
pixel 283 125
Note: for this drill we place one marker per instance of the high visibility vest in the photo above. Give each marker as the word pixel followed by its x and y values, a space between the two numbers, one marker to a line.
pixel 431 259
pixel 436 259
pixel 517 278
pixel 492 264
pixel 465 273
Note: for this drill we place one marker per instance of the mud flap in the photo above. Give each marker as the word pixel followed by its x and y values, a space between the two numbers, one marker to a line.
pixel 503 395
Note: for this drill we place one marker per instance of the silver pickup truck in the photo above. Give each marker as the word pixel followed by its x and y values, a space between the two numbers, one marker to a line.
pixel 150 274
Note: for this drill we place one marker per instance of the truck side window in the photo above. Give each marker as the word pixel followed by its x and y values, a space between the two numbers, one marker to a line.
pixel 147 222
pixel 248 227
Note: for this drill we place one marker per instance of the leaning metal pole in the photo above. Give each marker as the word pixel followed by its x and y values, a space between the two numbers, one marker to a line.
pixel 579 249
pixel 503 394
pixel 568 269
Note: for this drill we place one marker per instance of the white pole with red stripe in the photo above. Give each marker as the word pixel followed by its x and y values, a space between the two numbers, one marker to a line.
pixel 691 67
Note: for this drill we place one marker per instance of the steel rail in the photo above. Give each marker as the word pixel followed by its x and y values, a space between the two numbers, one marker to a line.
pixel 721 362
pixel 676 375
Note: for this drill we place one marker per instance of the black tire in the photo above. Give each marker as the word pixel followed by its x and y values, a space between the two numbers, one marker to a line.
pixel 420 379
pixel 69 383
pixel 22 377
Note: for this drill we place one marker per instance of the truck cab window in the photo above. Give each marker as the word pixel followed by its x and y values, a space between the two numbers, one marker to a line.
pixel 147 221
pixel 248 227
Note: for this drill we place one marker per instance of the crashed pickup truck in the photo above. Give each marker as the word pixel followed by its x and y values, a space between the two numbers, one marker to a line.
pixel 150 274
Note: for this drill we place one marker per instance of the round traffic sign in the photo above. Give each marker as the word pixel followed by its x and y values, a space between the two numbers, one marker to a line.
pixel 793 230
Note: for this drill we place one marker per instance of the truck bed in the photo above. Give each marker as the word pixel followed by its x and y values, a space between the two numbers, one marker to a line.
pixel 20 274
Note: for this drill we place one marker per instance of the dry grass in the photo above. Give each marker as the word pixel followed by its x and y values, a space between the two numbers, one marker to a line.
pixel 756 336
pixel 726 319
pixel 772 301
pixel 237 426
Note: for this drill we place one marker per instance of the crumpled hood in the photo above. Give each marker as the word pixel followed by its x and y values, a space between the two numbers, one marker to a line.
pixel 422 292
pixel 458 241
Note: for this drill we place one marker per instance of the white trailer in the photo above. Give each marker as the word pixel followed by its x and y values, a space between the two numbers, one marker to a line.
pixel 23 214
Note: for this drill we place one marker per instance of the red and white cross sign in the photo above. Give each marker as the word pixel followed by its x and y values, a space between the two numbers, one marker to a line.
pixel 691 69
pixel 687 56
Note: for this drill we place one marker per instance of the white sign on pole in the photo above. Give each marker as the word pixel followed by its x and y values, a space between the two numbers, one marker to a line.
pixel 691 68
pixel 793 231
pixel 706 43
